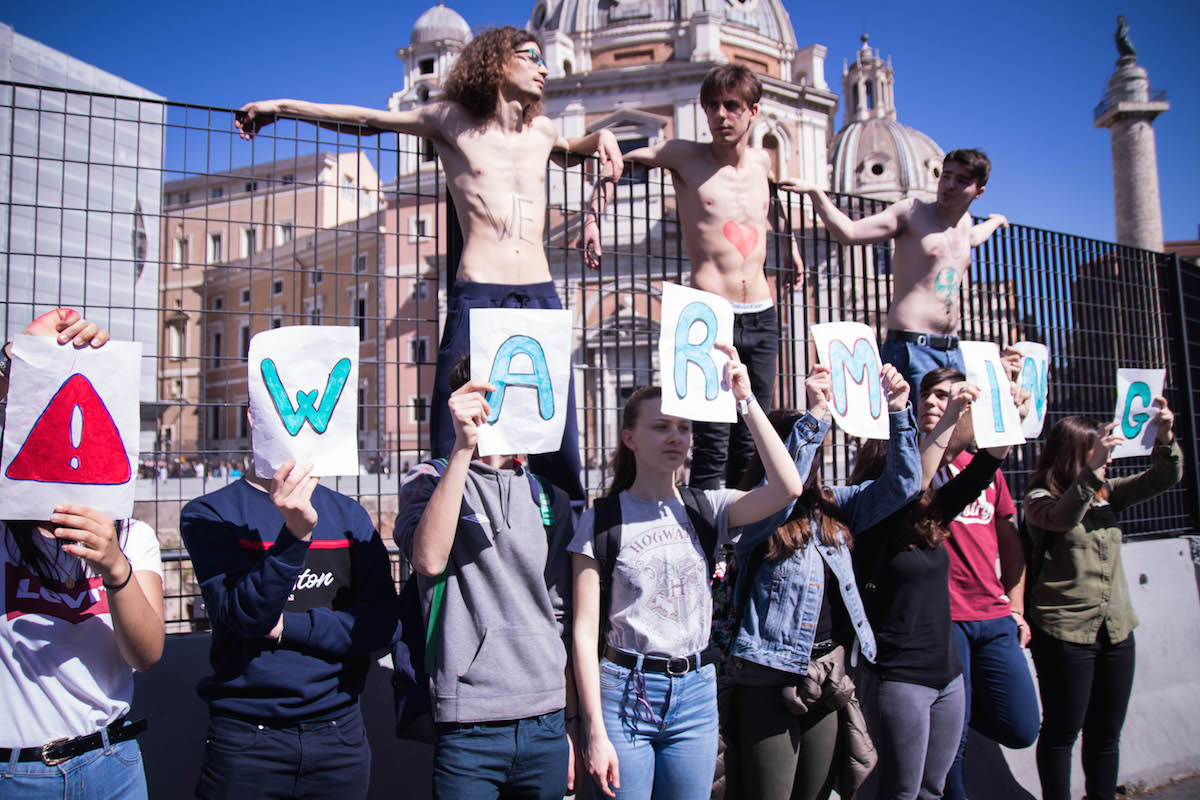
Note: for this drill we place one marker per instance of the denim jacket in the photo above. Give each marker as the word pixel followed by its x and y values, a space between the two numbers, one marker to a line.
pixel 779 621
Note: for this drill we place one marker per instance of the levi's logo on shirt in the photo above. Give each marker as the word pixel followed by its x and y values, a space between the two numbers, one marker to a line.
pixel 26 593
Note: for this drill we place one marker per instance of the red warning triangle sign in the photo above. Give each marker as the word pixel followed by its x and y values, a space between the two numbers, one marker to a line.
pixel 48 455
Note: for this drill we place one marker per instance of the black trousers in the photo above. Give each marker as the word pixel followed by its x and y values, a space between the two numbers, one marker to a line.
pixel 721 451
pixel 1083 687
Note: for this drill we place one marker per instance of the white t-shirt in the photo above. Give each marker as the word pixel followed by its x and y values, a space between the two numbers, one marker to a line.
pixel 61 674
pixel 661 596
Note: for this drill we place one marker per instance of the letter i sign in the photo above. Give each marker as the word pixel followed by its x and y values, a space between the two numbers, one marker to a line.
pixel 58 450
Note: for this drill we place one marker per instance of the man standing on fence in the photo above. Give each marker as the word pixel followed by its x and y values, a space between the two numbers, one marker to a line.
pixel 933 252
pixel 299 589
pixel 494 146
pixel 723 191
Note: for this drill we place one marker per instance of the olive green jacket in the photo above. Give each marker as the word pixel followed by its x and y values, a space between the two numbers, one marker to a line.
pixel 1080 586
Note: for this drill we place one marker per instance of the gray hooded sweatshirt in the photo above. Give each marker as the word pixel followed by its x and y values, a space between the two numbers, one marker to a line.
pixel 500 653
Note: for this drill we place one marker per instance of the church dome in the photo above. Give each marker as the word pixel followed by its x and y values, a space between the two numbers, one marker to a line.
pixel 440 24
pixel 873 155
pixel 766 18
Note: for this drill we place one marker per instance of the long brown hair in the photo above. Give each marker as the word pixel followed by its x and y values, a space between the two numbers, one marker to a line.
pixel 815 509
pixel 478 73
pixel 624 462
pixel 1065 453
pixel 919 520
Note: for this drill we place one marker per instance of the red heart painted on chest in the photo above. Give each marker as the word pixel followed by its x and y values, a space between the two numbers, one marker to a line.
pixel 743 237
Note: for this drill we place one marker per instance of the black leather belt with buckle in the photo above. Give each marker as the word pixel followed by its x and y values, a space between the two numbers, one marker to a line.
pixel 938 341
pixel 664 666
pixel 61 750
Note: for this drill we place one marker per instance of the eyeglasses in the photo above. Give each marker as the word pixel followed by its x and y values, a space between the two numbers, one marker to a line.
pixel 534 56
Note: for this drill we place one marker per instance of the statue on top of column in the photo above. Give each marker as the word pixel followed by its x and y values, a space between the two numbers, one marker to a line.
pixel 1124 46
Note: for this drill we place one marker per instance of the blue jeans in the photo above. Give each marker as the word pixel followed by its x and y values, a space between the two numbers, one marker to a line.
pixel 524 758
pixel 560 468
pixel 1001 702
pixel 112 771
pixel 330 758
pixel 919 729
pixel 664 732
pixel 914 361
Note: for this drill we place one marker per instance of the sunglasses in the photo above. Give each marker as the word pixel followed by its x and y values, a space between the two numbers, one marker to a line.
pixel 533 55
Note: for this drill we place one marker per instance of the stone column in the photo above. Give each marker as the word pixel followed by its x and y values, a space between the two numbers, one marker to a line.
pixel 1128 111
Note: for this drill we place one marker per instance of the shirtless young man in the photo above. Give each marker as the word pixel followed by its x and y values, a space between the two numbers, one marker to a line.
pixel 933 252
pixel 494 145
pixel 724 199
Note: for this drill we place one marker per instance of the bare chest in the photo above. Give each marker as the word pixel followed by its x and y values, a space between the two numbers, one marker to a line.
pixel 729 194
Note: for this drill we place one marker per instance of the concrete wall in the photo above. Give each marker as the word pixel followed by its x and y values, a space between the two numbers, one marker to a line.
pixel 1161 738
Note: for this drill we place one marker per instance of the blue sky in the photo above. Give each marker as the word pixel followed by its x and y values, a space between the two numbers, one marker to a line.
pixel 1018 79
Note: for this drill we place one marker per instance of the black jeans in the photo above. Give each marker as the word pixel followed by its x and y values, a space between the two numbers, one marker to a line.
pixel 721 451
pixel 1084 687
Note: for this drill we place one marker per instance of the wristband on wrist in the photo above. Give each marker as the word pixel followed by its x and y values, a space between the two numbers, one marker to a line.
pixel 743 405
pixel 122 584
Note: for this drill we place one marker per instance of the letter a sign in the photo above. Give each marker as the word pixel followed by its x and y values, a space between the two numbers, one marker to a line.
pixel 303 383
pixel 692 369
pixel 71 429
pixel 526 355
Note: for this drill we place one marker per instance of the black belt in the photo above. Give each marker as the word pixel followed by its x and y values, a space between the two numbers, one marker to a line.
pixel 666 666
pixel 938 341
pixel 60 750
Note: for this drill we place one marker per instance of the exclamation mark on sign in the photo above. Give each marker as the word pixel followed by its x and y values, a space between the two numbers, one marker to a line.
pixel 76 433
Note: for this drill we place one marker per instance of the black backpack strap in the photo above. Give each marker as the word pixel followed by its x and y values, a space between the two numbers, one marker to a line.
pixel 704 521
pixel 606 543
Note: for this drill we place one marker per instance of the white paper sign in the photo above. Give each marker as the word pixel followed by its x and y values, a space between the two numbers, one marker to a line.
pixel 1137 420
pixel 1035 367
pixel 692 370
pixel 71 432
pixel 851 352
pixel 303 383
pixel 526 355
pixel 994 415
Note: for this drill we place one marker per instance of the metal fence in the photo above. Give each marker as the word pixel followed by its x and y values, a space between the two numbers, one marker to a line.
pixel 158 221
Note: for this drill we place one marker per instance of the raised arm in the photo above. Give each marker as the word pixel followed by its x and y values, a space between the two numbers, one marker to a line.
pixel 1063 513
pixel 784 483
pixel 601 143
pixel 427 121
pixel 877 228
pixel 981 232
pixel 1165 471
pixel 434 535
pixel 933 444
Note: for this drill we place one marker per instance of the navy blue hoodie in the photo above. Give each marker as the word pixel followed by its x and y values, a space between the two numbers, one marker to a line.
pixel 335 592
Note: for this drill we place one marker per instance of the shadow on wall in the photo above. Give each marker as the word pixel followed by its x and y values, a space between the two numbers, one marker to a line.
pixel 178 720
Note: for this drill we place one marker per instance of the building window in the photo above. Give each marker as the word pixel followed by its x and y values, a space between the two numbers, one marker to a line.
pixel 418 350
pixel 249 241
pixel 419 290
pixel 428 151
pixel 245 297
pixel 276 322
pixel 216 252
pixel 244 423
pixel 251 186
pixel 315 277
pixel 177 387
pixel 217 303
pixel 175 340
pixel 313 308
pixel 277 287
pixel 244 340
pixel 418 409
pixel 185 198
pixel 180 255
pixel 360 262
pixel 287 179
pixel 214 422
pixel 360 317
pixel 425 65
pixel 215 351
pixel 870 95
pixel 418 228
pixel 216 192
pixel 347 189
pixel 283 233
pixel 362 410
pixel 634 173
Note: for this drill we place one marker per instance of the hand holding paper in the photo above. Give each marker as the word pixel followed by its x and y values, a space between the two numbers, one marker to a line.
pixel 737 377
pixel 1101 453
pixel 818 388
pixel 468 410
pixel 1166 420
pixel 895 387
pixel 291 491
pixel 91 535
